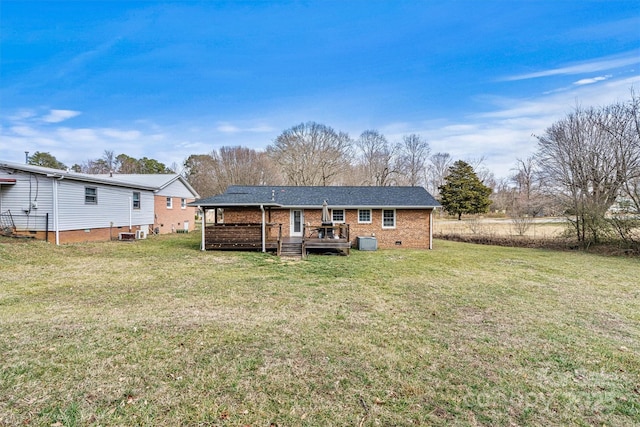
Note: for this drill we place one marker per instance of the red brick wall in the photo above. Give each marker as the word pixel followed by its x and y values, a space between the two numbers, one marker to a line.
pixel 169 220
pixel 411 231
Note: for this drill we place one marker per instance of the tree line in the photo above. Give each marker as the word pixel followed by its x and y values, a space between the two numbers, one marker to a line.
pixel 108 163
pixel 315 154
pixel 586 167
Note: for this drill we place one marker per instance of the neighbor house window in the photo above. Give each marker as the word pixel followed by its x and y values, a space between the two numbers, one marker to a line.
pixel 169 203
pixel 90 196
pixel 364 216
pixel 388 218
pixel 337 215
pixel 183 203
pixel 136 200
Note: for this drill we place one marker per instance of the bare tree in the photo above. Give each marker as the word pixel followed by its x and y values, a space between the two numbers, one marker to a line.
pixel 622 122
pixel 528 198
pixel 503 196
pixel 109 160
pixel 198 171
pixel 587 158
pixel 437 170
pixel 212 173
pixel 311 154
pixel 376 158
pixel 240 166
pixel 413 154
pixel 484 174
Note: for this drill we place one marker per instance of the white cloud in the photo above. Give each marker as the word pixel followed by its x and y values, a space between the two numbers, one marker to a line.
pixel 57 116
pixel 600 64
pixel 591 80
pixel 227 128
pixel 123 135
pixel 24 130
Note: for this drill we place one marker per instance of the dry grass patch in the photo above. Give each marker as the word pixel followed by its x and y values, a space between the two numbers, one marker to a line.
pixel 158 333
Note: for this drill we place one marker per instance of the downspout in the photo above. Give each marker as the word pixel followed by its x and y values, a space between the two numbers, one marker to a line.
pixel 264 231
pixel 130 212
pixel 431 229
pixel 56 223
pixel 203 226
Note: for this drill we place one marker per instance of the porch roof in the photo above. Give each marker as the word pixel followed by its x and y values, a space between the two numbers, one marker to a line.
pixel 313 197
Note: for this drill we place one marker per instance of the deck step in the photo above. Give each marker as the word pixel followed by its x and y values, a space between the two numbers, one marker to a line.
pixel 291 250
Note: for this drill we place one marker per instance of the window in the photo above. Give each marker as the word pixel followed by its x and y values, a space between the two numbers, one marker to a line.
pixel 337 215
pixel 136 200
pixel 364 216
pixel 183 203
pixel 388 218
pixel 90 196
pixel 169 203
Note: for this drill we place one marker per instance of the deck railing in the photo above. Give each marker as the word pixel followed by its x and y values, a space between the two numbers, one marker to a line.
pixel 326 237
pixel 327 232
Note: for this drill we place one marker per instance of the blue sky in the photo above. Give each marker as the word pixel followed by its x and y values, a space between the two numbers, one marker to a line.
pixel 169 79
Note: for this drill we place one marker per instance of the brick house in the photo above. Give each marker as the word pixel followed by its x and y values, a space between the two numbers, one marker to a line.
pixel 394 216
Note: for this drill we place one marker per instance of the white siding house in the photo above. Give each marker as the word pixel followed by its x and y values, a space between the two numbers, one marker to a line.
pixel 69 207
pixel 172 194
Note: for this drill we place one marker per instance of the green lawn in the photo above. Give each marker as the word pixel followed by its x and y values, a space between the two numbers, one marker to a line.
pixel 157 333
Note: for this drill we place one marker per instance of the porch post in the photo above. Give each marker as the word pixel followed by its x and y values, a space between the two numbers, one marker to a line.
pixel 431 229
pixel 203 226
pixel 264 233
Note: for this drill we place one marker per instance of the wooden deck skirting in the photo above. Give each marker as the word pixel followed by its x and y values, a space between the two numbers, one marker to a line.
pixel 241 236
pixel 248 236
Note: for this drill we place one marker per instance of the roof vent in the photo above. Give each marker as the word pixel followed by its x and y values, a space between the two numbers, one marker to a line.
pixel 273 195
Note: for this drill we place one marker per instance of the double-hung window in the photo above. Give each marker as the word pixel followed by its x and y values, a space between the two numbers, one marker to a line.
pixel 169 203
pixel 364 216
pixel 135 201
pixel 183 203
pixel 90 196
pixel 337 215
pixel 388 218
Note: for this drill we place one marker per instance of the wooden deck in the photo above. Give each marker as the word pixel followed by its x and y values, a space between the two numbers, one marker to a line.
pixel 240 237
pixel 324 238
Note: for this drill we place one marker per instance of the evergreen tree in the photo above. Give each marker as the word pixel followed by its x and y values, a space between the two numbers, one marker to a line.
pixel 462 191
pixel 46 160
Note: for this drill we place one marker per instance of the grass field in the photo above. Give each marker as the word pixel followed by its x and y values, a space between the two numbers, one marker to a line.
pixel 157 333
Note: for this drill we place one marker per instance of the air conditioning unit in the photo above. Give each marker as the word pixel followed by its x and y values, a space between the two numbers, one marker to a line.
pixel 141 234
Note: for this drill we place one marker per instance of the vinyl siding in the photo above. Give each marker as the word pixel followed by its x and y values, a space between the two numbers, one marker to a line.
pixel 113 207
pixel 20 197
pixel 176 189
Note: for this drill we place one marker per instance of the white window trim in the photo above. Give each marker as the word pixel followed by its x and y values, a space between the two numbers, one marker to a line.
pixel 183 203
pixel 95 195
pixel 133 200
pixel 169 202
pixel 344 215
pixel 395 219
pixel 370 216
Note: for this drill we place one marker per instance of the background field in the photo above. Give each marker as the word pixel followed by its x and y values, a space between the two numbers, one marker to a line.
pixel 158 333
pixel 537 228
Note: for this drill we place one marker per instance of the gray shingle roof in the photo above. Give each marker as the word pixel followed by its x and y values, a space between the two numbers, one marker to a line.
pixel 313 197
